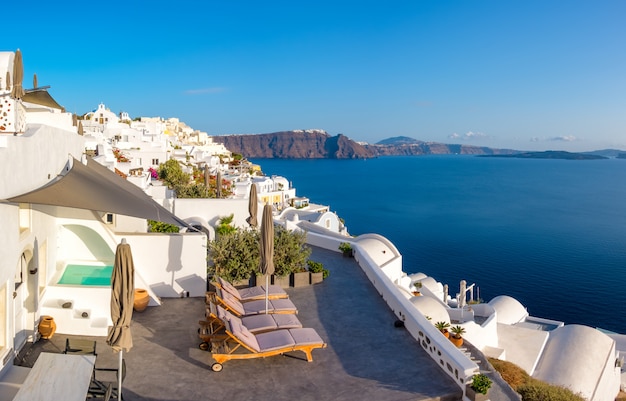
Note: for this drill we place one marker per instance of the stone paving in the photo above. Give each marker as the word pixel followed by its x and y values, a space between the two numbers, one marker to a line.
pixel 367 357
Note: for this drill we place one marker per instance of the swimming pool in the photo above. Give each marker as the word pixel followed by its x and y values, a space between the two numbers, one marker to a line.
pixel 89 275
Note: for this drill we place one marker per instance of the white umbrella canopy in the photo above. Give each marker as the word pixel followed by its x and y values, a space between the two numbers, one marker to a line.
pixel 266 264
pixel 122 299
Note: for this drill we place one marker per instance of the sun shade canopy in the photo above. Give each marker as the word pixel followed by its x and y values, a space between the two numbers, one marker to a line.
pixel 95 187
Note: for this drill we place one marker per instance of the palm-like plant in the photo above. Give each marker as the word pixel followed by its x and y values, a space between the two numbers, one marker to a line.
pixel 442 326
pixel 457 331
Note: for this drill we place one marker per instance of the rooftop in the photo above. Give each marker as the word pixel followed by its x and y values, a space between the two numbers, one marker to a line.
pixel 366 358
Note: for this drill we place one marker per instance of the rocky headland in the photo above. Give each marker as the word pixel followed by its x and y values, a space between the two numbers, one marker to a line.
pixel 318 144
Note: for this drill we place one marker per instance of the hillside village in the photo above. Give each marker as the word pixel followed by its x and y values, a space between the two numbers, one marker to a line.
pixel 64 203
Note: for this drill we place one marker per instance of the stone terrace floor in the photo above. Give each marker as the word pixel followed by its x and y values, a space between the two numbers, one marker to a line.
pixel 367 358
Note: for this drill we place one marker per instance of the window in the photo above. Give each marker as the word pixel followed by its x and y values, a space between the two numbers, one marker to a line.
pixel 327 223
pixel 108 218
pixel 155 162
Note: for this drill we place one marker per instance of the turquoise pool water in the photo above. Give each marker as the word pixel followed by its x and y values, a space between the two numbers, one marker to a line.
pixel 86 275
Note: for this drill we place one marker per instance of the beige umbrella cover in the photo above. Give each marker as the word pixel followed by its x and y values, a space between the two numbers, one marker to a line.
pixel 81 130
pixel 218 185
pixel 18 76
pixel 253 206
pixel 266 265
pixel 122 299
pixel 206 175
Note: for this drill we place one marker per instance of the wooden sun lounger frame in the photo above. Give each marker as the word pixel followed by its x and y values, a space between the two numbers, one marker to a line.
pixel 213 297
pixel 217 284
pixel 225 350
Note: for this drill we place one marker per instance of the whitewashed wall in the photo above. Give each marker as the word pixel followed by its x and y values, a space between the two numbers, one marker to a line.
pixel 449 358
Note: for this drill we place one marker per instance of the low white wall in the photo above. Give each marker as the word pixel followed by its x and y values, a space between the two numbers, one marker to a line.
pixel 207 212
pixel 171 265
pixel 451 360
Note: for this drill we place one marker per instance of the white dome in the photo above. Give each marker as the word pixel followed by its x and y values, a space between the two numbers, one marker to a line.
pixel 432 308
pixel 508 309
pixel 576 357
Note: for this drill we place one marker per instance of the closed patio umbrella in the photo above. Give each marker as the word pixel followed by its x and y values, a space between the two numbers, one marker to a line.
pixel 122 298
pixel 253 206
pixel 266 264
pixel 17 92
pixel 218 184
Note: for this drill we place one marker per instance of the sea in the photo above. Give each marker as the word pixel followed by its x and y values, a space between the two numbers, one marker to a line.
pixel 550 233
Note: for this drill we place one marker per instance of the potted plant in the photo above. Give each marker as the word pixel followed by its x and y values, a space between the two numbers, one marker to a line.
pixel 457 335
pixel 300 278
pixel 317 271
pixel 443 328
pixel 479 387
pixel 417 286
pixel 346 249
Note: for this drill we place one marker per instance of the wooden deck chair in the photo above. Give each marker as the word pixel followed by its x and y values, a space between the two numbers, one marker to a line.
pixel 237 308
pixel 214 326
pixel 242 344
pixel 251 293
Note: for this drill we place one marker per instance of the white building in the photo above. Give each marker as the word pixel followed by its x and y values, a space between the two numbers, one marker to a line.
pixel 58 208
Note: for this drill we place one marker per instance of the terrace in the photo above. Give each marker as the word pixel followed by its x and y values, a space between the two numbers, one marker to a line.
pixel 367 356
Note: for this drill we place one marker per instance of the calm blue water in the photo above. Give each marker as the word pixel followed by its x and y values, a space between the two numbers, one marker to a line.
pixel 551 233
pixel 87 275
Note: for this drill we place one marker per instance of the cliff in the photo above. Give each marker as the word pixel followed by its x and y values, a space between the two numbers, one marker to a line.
pixel 317 144
pixel 308 144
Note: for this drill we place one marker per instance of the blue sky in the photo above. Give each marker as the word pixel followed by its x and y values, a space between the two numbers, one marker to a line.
pixel 529 75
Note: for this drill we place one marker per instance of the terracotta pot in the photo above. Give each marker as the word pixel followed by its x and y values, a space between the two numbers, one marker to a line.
pixel 456 341
pixel 141 300
pixel 445 333
pixel 47 327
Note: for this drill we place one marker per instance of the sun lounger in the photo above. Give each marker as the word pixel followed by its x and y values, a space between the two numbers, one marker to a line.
pixel 242 344
pixel 214 326
pixel 251 293
pixel 232 304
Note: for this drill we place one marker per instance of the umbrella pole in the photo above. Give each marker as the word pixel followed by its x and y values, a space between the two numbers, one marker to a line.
pixel 119 376
pixel 267 286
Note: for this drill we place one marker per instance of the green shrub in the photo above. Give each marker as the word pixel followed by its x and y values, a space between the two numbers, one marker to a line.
pixel 536 390
pixel 481 383
pixel 317 267
pixel 160 227
pixel 235 256
pixel 225 225
pixel 290 251
pixel 345 247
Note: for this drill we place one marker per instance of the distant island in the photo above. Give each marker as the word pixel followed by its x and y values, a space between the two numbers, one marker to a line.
pixel 551 154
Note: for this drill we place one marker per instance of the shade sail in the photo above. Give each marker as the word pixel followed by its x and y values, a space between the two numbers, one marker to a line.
pixel 95 187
